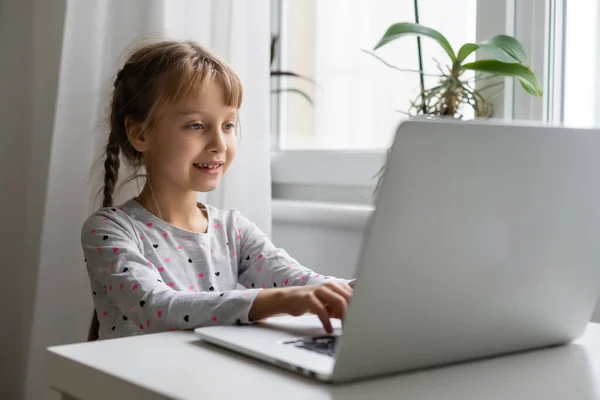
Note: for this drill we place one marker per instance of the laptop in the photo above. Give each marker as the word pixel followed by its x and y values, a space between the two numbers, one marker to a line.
pixel 485 240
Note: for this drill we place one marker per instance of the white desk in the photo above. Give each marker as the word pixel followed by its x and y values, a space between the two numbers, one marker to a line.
pixel 176 365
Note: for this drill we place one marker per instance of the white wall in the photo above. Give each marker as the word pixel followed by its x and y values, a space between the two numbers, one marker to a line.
pixel 326 250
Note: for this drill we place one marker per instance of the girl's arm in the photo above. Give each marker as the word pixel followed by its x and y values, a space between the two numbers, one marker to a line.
pixel 262 265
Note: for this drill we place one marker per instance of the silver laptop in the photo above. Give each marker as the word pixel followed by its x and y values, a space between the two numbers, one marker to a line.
pixel 485 241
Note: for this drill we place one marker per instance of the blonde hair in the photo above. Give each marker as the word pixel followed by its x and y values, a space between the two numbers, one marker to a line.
pixel 160 73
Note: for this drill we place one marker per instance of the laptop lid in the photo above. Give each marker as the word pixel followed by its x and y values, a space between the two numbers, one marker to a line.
pixel 485 240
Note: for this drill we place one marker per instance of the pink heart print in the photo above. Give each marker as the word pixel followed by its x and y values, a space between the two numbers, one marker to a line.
pixel 149 224
pixel 165 234
pixel 161 269
pixel 159 313
pixel 135 286
pixel 200 275
pixel 217 226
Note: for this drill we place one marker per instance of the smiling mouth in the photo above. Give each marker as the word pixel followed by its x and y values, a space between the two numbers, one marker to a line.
pixel 208 166
pixel 209 169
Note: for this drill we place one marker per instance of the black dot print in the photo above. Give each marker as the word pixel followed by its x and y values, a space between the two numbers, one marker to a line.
pixel 125 318
pixel 274 284
pixel 248 258
pixel 159 280
pixel 113 328
pixel 217 273
pixel 94 292
pixel 211 288
pixel 186 318
pixel 326 277
pixel 227 243
pixel 253 285
pixel 221 295
pixel 238 321
pixel 142 303
pixel 189 260
pixel 155 246
pixel 104 237
pixel 113 209
pixel 125 269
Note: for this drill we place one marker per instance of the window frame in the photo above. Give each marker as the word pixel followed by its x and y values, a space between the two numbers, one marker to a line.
pixel 311 169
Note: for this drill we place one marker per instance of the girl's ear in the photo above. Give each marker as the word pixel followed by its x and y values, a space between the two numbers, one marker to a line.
pixel 135 134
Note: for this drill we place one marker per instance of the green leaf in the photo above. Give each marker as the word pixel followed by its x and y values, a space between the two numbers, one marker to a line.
pixel 401 29
pixel 298 91
pixel 293 75
pixel 502 48
pixel 527 78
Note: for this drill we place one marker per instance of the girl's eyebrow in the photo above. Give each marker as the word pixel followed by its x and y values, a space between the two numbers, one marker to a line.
pixel 231 114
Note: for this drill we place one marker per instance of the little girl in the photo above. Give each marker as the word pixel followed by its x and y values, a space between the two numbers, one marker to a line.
pixel 162 261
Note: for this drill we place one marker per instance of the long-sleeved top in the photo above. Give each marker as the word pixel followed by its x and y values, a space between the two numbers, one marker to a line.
pixel 147 275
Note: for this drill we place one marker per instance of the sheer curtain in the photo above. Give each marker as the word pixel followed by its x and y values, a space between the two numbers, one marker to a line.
pixel 78 44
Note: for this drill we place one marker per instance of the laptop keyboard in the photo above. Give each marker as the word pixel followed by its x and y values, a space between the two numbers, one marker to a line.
pixel 321 344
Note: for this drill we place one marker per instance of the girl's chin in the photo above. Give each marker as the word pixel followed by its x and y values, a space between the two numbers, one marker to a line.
pixel 206 186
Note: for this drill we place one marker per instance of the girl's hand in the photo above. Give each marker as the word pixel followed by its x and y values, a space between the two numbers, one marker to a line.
pixel 327 300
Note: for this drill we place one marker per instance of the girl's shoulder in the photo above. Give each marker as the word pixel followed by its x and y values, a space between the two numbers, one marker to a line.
pixel 116 219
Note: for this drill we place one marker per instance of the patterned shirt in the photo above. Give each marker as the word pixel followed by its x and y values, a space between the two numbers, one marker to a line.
pixel 147 275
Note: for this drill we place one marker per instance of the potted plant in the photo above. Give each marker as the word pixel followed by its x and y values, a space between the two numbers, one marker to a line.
pixel 506 57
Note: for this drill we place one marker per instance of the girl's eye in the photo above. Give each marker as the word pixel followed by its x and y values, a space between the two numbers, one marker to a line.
pixel 229 127
pixel 196 127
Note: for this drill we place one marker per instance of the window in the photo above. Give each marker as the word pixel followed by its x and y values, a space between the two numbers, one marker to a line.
pixel 357 100
pixel 581 105
pixel 331 151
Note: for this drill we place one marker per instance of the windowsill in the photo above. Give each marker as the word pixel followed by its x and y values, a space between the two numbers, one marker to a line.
pixel 319 176
pixel 334 215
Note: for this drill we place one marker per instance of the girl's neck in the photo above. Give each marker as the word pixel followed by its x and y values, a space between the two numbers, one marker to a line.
pixel 178 208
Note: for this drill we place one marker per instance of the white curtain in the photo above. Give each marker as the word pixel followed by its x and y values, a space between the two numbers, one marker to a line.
pixel 79 43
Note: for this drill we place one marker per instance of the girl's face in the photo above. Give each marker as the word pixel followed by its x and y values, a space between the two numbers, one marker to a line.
pixel 192 143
